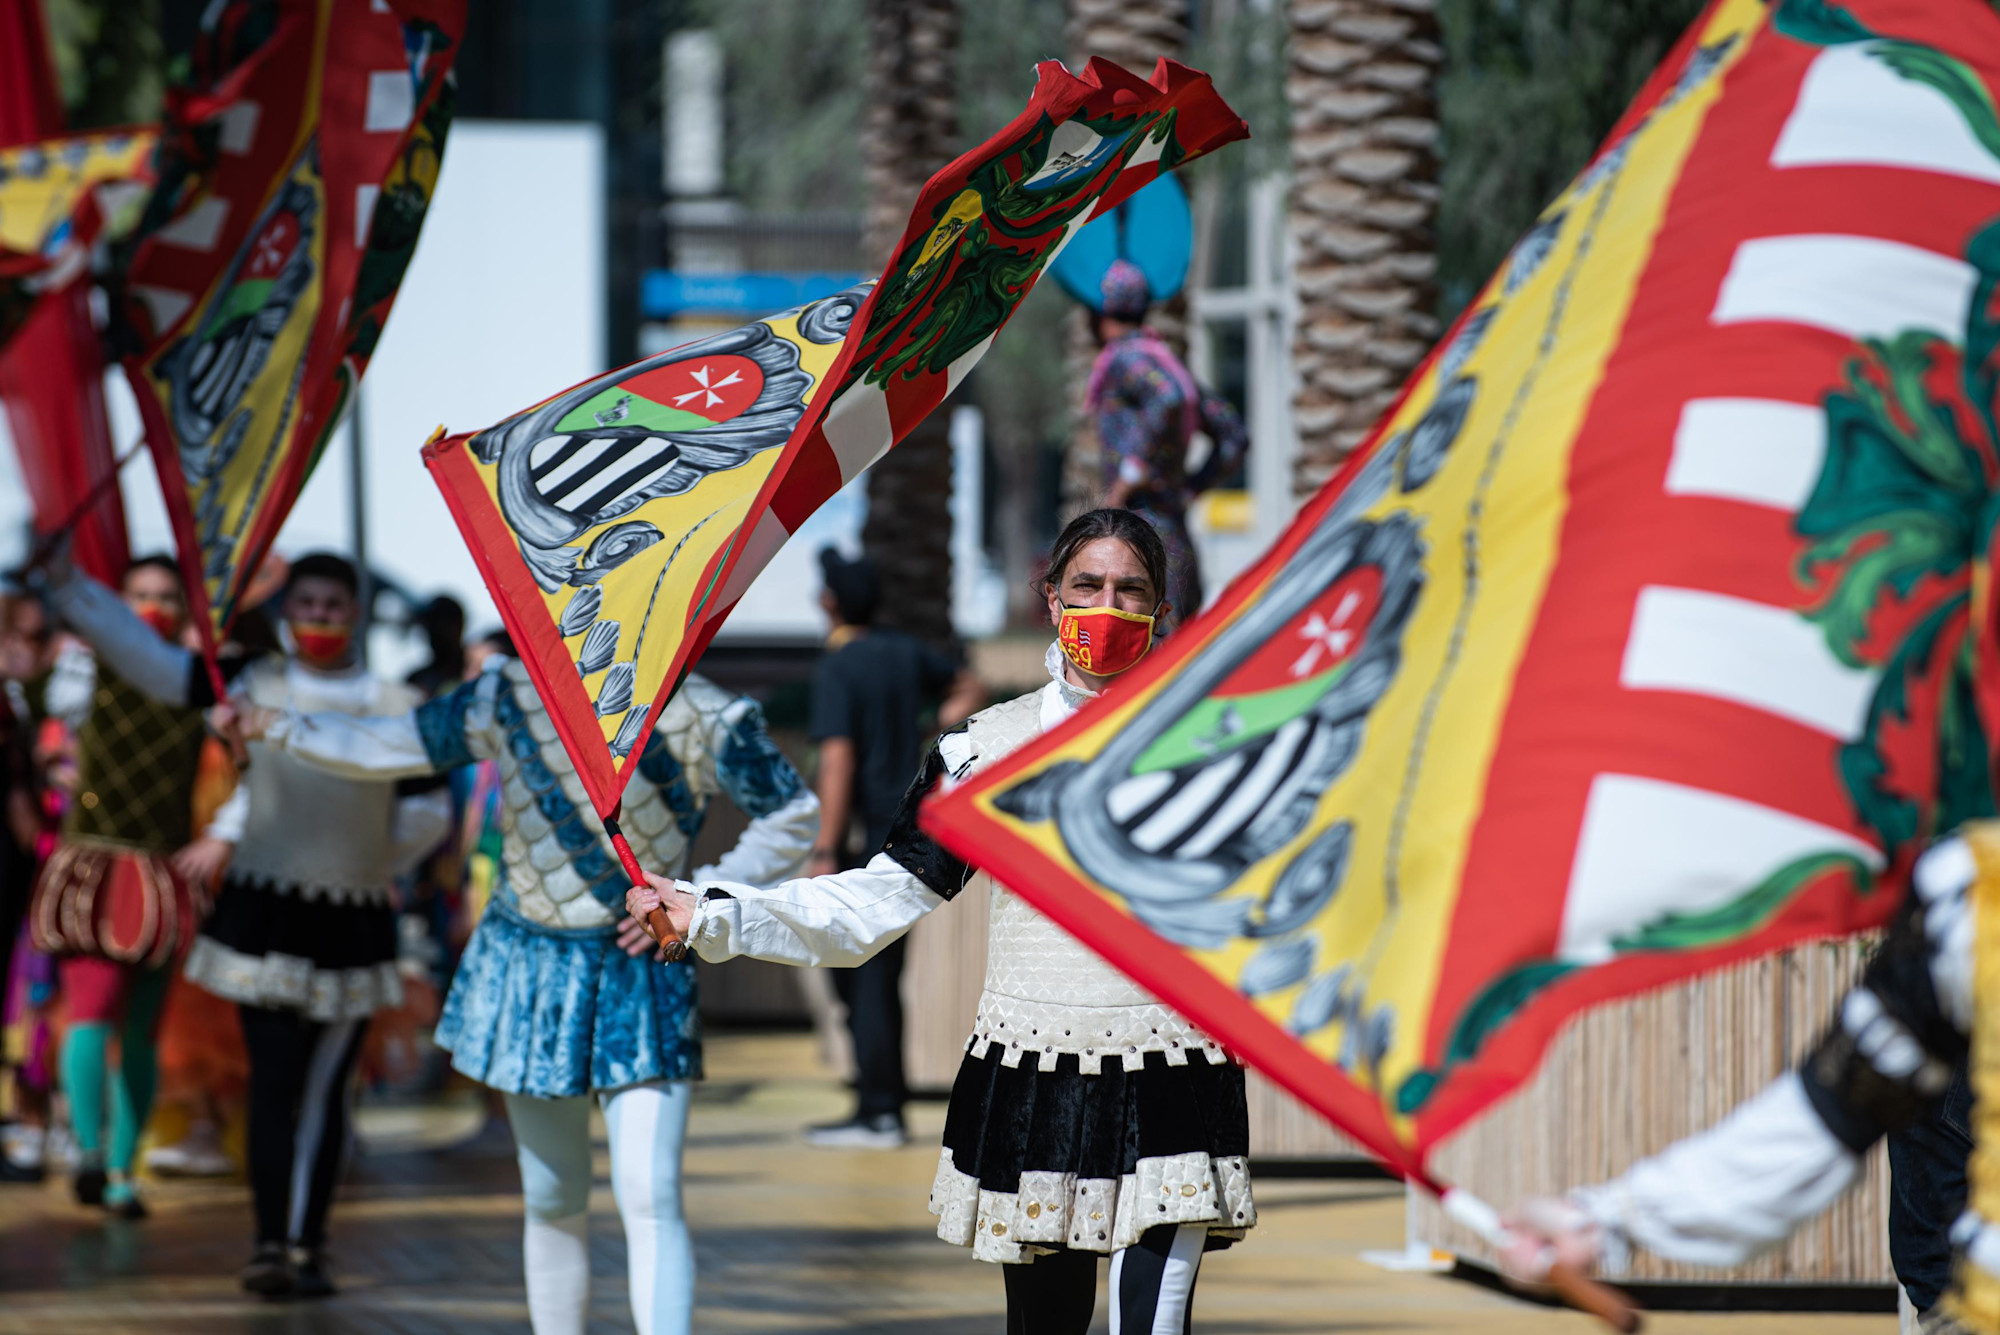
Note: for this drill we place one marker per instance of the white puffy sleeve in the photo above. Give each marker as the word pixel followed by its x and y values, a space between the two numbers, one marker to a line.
pixel 842 919
pixel 422 821
pixel 737 757
pixel 1730 1192
pixel 452 730
pixel 1720 1197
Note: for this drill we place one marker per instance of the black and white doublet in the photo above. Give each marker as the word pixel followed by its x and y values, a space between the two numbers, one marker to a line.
pixel 1085 1112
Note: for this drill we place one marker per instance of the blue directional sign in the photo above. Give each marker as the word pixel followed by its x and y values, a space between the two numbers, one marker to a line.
pixel 666 292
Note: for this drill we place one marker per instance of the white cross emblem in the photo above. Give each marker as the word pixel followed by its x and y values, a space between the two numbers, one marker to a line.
pixel 700 376
pixel 270 249
pixel 1334 636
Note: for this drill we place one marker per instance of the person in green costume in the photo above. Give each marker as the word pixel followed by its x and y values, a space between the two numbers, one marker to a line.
pixel 119 900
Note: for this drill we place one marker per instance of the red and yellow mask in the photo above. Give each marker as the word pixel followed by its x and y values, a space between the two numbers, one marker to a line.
pixel 1103 641
pixel 322 642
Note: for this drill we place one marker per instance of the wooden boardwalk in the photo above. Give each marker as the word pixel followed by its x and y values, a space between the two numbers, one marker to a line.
pixel 427 1239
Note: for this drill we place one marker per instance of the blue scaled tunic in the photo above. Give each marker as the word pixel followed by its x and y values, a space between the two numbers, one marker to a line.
pixel 545 1002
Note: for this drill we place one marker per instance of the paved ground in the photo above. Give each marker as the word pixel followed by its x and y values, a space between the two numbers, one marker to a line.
pixel 789 1239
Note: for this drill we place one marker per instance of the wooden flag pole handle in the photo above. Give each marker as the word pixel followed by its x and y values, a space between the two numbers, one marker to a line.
pixel 1575 1288
pixel 1585 1294
pixel 657 921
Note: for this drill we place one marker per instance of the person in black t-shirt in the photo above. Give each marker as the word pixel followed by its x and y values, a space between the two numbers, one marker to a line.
pixel 868 692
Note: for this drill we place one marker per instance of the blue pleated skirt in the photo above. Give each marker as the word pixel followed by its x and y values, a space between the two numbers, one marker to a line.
pixel 553 1013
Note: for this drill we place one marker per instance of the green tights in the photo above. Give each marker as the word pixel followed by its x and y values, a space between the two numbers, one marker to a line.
pixel 86 1069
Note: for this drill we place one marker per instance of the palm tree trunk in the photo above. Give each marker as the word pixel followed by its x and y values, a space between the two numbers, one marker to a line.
pixel 1363 92
pixel 911 131
pixel 1134 34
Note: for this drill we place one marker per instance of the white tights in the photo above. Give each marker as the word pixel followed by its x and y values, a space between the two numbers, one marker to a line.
pixel 647 1124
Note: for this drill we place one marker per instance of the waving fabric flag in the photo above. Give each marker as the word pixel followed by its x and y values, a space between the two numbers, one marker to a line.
pixel 57 197
pixel 619 522
pixel 1638 639
pixel 294 176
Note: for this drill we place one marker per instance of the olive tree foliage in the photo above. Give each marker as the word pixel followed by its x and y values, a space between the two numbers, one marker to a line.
pixel 109 60
pixel 1530 89
pixel 795 100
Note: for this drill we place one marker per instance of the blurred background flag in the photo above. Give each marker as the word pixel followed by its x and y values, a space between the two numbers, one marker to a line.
pixel 1636 639
pixel 296 167
pixel 617 523
pixel 59 195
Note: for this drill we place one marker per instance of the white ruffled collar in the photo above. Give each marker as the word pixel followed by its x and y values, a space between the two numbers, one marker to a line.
pixel 1062 697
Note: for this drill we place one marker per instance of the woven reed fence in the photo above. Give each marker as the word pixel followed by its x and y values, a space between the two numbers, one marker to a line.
pixel 1629 1078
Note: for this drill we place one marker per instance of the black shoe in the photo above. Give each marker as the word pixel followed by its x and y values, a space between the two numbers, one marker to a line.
pixel 125 1205
pixel 269 1272
pixel 90 1186
pixel 310 1276
pixel 13 1172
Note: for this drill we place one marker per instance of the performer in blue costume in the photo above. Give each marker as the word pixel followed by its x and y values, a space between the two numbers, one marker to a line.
pixel 555 1001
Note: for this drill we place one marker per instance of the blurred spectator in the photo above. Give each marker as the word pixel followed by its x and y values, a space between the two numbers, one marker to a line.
pixel 869 689
pixel 24 655
pixel 442 621
pixel 204 1068
pixel 432 893
pixel 487 652
pixel 1148 410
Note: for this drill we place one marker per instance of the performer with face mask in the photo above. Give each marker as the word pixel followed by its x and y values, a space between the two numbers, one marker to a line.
pixel 302 936
pixel 1087 1119
pixel 556 1003
pixel 118 901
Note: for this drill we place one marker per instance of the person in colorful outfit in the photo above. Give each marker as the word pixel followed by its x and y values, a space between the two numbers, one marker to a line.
pixel 119 899
pixel 1724 1195
pixel 1087 1119
pixel 302 936
pixel 1147 409
pixel 25 636
pixel 554 1003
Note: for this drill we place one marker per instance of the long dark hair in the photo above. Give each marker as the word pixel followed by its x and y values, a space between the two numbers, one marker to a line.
pixel 1088 527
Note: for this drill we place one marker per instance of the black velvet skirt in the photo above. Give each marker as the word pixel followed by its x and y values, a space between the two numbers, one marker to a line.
pixel 266 945
pixel 1108 1155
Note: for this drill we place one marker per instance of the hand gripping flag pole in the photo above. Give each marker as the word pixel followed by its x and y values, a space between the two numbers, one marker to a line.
pixel 1571 1285
pixel 672 944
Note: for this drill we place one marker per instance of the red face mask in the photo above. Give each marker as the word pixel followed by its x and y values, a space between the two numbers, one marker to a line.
pixel 320 641
pixel 165 622
pixel 1103 641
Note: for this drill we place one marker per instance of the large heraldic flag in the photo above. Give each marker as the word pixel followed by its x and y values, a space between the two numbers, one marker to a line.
pixel 1638 639
pixel 619 522
pixel 294 175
